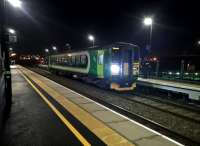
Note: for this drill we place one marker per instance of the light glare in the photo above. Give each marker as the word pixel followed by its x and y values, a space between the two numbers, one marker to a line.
pixel 148 21
pixel 91 38
pixel 115 69
pixel 12 31
pixel 54 48
pixel 46 50
pixel 15 3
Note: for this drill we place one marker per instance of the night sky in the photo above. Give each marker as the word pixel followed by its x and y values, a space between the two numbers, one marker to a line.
pixel 43 23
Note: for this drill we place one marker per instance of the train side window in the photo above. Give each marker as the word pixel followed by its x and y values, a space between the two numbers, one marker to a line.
pixel 73 60
pixel 83 59
pixel 78 60
pixel 100 59
pixel 65 61
pixel 69 60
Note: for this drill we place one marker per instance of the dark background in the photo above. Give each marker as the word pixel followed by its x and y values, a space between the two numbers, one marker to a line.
pixel 42 23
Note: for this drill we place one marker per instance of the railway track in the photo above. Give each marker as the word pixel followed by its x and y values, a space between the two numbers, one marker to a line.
pixel 183 111
pixel 165 117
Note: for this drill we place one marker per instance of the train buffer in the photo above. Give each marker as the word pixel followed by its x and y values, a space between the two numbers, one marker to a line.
pixel 47 113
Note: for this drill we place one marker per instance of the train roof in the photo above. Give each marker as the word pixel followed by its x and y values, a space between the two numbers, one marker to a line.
pixel 116 44
pixel 111 45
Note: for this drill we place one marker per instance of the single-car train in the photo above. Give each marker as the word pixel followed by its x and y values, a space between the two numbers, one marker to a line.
pixel 115 66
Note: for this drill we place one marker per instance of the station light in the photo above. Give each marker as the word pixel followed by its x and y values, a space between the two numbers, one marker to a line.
pixel 15 3
pixel 186 73
pixel 198 42
pixel 13 54
pixel 11 31
pixel 196 74
pixel 148 21
pixel 178 73
pixel 54 48
pixel 114 48
pixel 154 59
pixel 170 73
pixel 10 49
pixel 91 37
pixel 47 50
pixel 115 69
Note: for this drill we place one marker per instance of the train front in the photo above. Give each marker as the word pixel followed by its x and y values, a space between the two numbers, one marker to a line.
pixel 124 67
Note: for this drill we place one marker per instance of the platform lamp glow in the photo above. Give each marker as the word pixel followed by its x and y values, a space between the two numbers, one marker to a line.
pixel 15 3
pixel 91 38
pixel 148 21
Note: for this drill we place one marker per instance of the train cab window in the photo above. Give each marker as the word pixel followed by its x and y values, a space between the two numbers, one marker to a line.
pixel 100 59
pixel 115 55
pixel 136 54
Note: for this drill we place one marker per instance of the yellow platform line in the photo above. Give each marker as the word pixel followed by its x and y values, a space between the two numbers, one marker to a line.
pixel 100 129
pixel 59 114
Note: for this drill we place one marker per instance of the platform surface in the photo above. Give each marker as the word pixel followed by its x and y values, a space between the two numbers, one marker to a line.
pixel 172 84
pixel 46 113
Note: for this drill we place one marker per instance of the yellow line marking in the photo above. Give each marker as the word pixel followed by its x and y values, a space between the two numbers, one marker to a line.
pixel 57 112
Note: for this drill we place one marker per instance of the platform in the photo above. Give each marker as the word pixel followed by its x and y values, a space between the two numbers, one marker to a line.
pixel 46 113
pixel 192 90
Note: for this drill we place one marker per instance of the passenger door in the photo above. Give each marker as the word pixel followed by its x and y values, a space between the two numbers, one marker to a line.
pixel 100 62
pixel 126 60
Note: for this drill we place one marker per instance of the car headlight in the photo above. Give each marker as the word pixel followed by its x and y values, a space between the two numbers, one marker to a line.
pixel 115 69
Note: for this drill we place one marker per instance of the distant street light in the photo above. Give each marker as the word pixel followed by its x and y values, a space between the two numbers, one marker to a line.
pixel 148 21
pixel 47 50
pixel 15 3
pixel 198 42
pixel 54 48
pixel 10 49
pixel 11 31
pixel 91 38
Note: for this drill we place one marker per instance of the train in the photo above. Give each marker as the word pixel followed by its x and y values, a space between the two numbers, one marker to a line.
pixel 115 66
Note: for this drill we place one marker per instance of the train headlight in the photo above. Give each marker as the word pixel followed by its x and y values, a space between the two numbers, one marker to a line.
pixel 115 69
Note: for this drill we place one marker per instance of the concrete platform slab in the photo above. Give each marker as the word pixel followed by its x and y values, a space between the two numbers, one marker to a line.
pixel 108 117
pixel 80 100
pixel 92 107
pixel 131 131
pixel 153 141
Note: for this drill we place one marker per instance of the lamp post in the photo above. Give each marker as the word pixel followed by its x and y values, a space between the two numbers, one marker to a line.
pixel 4 40
pixel 148 21
pixel 91 38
